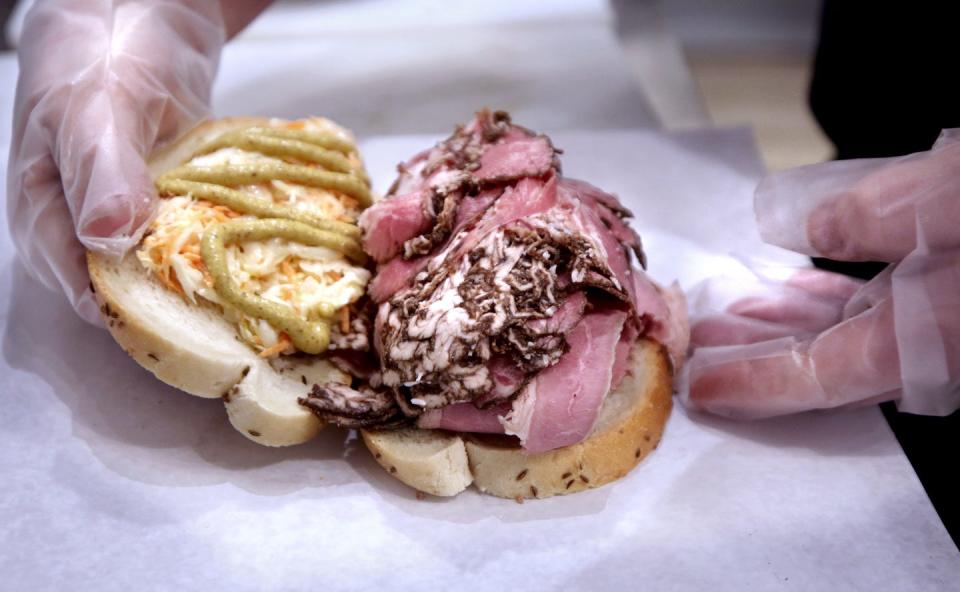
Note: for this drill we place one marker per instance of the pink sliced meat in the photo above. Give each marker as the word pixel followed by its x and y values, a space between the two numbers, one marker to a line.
pixel 409 179
pixel 594 195
pixel 507 377
pixel 621 357
pixel 471 208
pixel 610 211
pixel 581 217
pixel 648 300
pixel 665 323
pixel 394 275
pixel 527 197
pixel 390 222
pixel 560 405
pixel 666 311
pixel 518 174
pixel 568 314
pixel 465 417
pixel 510 160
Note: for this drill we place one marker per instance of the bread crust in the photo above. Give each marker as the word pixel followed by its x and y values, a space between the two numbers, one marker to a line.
pixel 192 347
pixel 630 426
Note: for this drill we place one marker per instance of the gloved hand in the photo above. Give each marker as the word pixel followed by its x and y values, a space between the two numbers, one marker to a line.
pixel 820 340
pixel 101 84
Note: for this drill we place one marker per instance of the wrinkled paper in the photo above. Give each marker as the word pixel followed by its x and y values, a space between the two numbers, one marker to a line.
pixel 114 481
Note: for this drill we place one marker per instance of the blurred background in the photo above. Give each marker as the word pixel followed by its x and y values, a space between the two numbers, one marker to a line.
pixel 692 63
pixel 749 63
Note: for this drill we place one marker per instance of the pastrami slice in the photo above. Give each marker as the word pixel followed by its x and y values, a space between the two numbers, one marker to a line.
pixel 465 417
pixel 392 222
pixel 512 160
pixel 560 405
pixel 508 302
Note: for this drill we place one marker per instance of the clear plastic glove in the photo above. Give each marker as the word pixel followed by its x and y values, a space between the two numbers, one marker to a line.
pixel 101 84
pixel 820 340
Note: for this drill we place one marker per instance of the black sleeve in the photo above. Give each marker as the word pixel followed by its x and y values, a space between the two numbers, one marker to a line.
pixel 885 77
pixel 885 82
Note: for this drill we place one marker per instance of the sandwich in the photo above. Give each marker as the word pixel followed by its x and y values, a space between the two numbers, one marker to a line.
pixel 520 346
pixel 249 284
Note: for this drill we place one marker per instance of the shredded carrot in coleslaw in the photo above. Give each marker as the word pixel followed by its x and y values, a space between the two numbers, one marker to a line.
pixel 281 346
pixel 170 281
pixel 171 250
pixel 349 203
pixel 287 269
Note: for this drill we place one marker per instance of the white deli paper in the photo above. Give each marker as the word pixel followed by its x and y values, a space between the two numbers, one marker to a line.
pixel 552 67
pixel 114 481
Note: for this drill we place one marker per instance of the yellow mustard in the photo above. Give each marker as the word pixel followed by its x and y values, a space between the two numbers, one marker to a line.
pixel 217 184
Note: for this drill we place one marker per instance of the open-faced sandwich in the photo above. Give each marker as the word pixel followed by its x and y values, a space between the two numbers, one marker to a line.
pixel 518 348
pixel 251 277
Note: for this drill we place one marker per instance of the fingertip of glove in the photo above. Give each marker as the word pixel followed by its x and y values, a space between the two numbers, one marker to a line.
pixel 114 247
pixel 116 224
pixel 823 230
pixel 777 210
